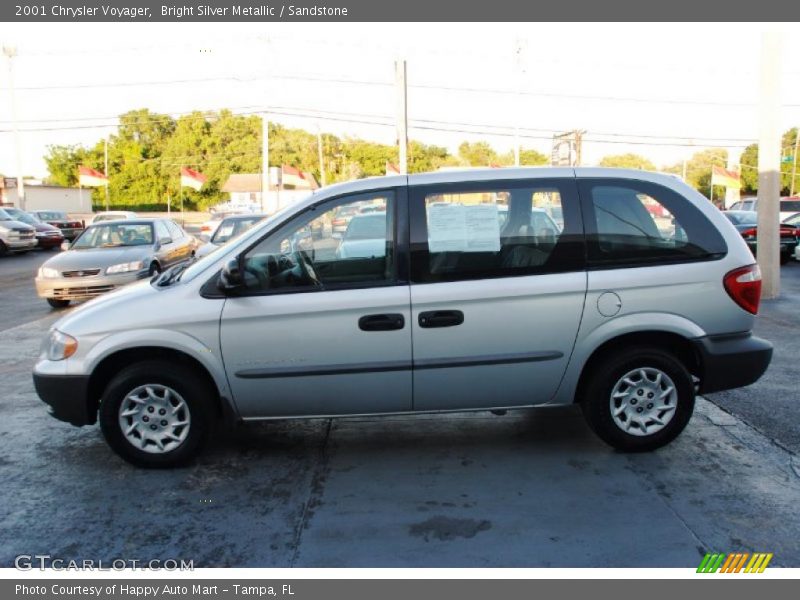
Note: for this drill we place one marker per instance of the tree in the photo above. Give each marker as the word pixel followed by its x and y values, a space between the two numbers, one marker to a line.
pixel 62 164
pixel 627 161
pixel 477 154
pixel 698 170
pixel 749 163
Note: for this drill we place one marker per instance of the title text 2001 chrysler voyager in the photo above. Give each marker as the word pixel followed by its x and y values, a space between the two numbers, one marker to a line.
pixel 624 291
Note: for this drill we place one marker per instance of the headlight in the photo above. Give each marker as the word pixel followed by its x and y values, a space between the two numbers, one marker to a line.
pixel 125 267
pixel 48 272
pixel 60 345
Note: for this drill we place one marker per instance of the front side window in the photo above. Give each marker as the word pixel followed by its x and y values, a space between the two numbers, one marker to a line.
pixel 641 223
pixel 345 243
pixel 490 230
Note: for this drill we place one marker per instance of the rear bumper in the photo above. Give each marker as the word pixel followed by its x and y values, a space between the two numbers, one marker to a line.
pixel 731 361
pixel 67 396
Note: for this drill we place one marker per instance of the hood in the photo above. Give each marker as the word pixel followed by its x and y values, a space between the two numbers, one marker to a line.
pixel 16 225
pixel 362 248
pixel 92 258
pixel 113 306
pixel 44 227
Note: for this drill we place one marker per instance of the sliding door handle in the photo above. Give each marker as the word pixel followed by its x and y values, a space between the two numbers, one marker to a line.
pixel 387 322
pixel 440 318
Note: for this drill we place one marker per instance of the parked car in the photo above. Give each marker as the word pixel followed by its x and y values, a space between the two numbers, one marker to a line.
pixel 47 236
pixel 208 228
pixel 746 223
pixel 616 314
pixel 228 229
pixel 788 205
pixel 794 220
pixel 342 216
pixel 70 228
pixel 15 236
pixel 110 255
pixel 365 236
pixel 114 215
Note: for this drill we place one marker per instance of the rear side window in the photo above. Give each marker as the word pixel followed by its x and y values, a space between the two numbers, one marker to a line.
pixel 637 223
pixel 495 229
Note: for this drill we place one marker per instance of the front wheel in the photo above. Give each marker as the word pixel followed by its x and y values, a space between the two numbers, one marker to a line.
pixel 155 414
pixel 639 400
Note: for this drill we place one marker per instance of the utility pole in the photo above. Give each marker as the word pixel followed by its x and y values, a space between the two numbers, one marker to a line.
pixel 264 162
pixel 769 165
pixel 519 69
pixel 321 158
pixel 794 159
pixel 105 152
pixel 11 52
pixel 402 113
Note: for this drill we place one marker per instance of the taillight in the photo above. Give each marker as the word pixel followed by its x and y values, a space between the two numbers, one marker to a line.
pixel 749 232
pixel 744 287
pixel 205 228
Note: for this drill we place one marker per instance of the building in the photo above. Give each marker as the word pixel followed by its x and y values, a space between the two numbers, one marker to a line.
pixel 39 196
pixel 287 185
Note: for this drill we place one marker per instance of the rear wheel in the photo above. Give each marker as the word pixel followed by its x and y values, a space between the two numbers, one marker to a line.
pixel 57 303
pixel 639 400
pixel 156 414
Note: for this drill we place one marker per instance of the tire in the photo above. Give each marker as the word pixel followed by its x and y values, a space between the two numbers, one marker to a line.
pixel 187 392
pixel 785 256
pixel 154 268
pixel 56 303
pixel 3 249
pixel 637 427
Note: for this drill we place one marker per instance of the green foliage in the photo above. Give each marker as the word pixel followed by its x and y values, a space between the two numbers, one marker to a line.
pixel 749 162
pixel 698 170
pixel 148 150
pixel 627 161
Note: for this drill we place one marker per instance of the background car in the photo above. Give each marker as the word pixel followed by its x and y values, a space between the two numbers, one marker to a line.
pixel 228 229
pixel 114 215
pixel 15 236
pixel 365 236
pixel 208 228
pixel 342 218
pixel 112 254
pixel 70 228
pixel 788 205
pixel 794 220
pixel 746 222
pixel 47 236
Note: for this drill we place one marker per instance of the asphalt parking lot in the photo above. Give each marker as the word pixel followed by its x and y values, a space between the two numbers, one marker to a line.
pixel 531 488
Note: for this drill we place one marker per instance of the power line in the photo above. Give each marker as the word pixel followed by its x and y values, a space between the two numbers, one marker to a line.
pixel 437 87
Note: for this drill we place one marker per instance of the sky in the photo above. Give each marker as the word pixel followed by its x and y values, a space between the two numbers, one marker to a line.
pixel 663 91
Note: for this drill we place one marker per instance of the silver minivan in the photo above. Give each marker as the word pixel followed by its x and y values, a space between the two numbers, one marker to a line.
pixel 639 297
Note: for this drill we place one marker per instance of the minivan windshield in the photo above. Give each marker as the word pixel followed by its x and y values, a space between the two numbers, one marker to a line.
pixel 115 234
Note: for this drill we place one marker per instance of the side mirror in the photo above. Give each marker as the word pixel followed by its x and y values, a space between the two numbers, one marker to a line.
pixel 65 245
pixel 230 278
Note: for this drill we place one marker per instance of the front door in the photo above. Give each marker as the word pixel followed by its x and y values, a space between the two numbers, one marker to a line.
pixel 323 324
pixel 498 289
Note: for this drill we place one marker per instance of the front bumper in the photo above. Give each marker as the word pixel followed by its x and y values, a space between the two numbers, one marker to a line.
pixel 67 396
pixel 49 241
pixel 17 244
pixel 81 288
pixel 731 361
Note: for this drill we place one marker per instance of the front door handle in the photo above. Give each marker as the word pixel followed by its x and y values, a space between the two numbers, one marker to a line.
pixel 387 322
pixel 440 318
